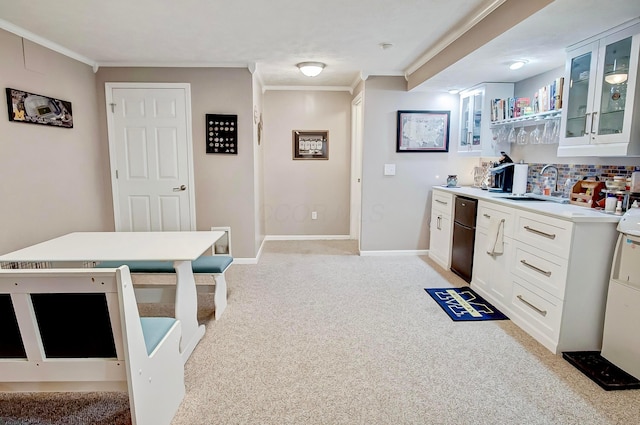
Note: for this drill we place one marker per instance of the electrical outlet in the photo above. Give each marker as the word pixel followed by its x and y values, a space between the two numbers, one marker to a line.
pixel 314 215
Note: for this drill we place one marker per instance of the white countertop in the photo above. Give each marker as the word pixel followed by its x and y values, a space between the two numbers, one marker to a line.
pixel 568 212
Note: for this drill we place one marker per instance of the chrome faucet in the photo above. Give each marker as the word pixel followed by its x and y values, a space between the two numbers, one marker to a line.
pixel 555 181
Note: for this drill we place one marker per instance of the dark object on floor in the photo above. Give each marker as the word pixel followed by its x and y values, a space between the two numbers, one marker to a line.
pixel 463 304
pixel 601 371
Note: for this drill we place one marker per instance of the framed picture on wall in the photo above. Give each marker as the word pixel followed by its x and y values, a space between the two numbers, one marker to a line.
pixel 423 131
pixel 310 144
pixel 34 108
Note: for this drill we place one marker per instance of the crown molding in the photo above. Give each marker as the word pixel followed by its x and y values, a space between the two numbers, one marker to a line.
pixel 21 32
pixel 308 88
pixel 452 36
pixel 175 65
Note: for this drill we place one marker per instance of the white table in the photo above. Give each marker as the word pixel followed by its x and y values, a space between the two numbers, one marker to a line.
pixel 179 247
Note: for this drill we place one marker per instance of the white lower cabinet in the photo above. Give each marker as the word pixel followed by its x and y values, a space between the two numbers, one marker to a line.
pixel 552 277
pixel 491 275
pixel 441 228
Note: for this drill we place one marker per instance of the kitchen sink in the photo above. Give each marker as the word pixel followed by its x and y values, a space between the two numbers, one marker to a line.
pixel 536 197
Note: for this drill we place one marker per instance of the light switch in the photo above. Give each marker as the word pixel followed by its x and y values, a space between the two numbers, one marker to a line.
pixel 389 169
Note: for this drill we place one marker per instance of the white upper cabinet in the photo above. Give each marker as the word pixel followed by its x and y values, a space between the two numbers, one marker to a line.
pixel 601 104
pixel 476 137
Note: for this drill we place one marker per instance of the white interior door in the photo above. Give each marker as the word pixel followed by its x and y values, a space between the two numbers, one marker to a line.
pixel 151 156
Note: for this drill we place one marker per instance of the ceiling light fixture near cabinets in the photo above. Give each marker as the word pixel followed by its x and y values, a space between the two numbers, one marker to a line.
pixel 517 65
pixel 454 91
pixel 311 69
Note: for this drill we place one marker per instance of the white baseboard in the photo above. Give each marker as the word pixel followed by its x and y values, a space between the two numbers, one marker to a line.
pixel 305 237
pixel 255 260
pixel 394 253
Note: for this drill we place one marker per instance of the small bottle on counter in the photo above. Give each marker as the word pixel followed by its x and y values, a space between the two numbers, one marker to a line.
pixel 546 187
pixel 610 203
pixel 619 208
pixel 568 187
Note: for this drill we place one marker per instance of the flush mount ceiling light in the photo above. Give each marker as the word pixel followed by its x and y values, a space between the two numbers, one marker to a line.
pixel 517 65
pixel 454 91
pixel 311 69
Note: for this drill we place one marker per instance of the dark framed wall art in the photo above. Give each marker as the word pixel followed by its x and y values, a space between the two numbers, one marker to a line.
pixel 310 144
pixel 34 108
pixel 222 134
pixel 423 131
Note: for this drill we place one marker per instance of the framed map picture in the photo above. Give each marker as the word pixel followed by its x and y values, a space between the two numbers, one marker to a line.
pixel 423 131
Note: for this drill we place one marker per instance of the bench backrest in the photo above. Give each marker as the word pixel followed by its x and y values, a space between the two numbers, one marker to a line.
pixel 80 330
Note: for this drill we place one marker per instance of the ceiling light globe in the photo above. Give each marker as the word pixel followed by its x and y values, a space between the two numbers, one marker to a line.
pixel 311 69
pixel 516 65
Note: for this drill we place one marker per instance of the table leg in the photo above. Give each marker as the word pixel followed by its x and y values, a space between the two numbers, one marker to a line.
pixel 187 308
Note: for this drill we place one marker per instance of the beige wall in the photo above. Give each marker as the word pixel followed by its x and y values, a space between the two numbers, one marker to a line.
pixel 54 180
pixel 258 165
pixel 293 189
pixel 396 209
pixel 224 183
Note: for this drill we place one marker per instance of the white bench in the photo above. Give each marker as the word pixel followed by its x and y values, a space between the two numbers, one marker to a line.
pixel 208 271
pixel 80 330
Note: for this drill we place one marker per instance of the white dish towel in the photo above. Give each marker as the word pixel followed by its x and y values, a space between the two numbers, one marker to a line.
pixel 495 236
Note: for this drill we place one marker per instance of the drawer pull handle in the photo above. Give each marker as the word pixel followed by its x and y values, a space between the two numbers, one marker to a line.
pixel 438 223
pixel 539 232
pixel 441 202
pixel 486 215
pixel 532 267
pixel 541 312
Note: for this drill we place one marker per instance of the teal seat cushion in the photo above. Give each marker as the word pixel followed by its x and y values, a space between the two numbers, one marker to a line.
pixel 141 266
pixel 211 264
pixel 154 329
pixel 204 264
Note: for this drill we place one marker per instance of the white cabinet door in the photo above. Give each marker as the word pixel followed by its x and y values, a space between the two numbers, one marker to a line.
pixel 599 101
pixel 491 273
pixel 440 240
pixel 476 137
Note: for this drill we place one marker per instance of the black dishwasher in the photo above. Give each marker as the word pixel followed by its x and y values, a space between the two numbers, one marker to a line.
pixel 464 233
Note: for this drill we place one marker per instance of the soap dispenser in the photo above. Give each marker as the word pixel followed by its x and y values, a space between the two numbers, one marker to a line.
pixel 546 187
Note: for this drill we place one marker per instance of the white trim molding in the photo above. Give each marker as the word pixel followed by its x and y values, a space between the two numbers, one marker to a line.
pixel 21 32
pixel 308 88
pixel 306 237
pixel 419 252
pixel 482 12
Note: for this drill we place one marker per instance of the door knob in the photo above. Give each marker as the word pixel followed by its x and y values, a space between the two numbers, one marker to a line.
pixel 179 189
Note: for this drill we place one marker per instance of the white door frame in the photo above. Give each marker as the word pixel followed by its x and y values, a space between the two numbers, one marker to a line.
pixel 357 126
pixel 108 87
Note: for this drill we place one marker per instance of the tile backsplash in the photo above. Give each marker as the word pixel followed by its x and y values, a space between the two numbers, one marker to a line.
pixel 578 172
pixel 573 171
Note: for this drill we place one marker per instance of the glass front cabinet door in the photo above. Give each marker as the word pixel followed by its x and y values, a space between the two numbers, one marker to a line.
pixel 599 96
pixel 476 138
pixel 470 118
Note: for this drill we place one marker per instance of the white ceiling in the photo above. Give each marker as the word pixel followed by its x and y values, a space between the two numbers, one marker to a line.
pixel 274 35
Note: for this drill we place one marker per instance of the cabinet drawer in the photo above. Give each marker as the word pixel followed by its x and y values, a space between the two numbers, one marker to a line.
pixel 488 211
pixel 442 202
pixel 547 272
pixel 546 233
pixel 541 311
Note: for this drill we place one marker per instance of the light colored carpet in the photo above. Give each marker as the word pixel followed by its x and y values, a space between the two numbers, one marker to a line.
pixel 315 334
